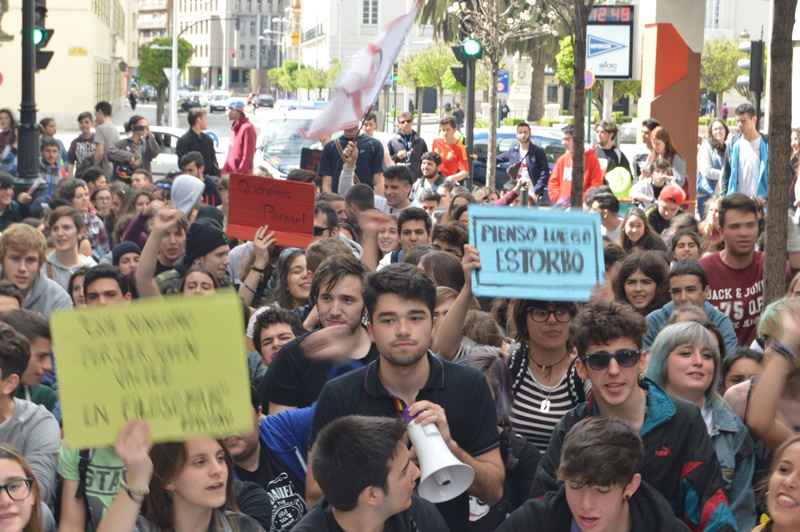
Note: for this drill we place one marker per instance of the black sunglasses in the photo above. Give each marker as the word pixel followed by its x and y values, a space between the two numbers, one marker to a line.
pixel 626 358
pixel 319 231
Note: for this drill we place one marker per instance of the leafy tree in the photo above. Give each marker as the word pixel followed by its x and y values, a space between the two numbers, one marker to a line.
pixel 153 62
pixel 494 23
pixel 574 16
pixel 430 67
pixel 718 69
pixel 312 79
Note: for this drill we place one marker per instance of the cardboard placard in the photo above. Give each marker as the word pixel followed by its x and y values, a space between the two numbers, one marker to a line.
pixel 547 255
pixel 287 207
pixel 178 363
pixel 310 159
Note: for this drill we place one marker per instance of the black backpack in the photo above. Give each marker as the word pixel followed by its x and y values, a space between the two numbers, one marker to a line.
pixel 84 459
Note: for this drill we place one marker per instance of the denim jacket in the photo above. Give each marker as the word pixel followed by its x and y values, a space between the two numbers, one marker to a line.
pixel 735 451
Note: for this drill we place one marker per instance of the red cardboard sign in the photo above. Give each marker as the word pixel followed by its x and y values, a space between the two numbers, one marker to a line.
pixel 287 207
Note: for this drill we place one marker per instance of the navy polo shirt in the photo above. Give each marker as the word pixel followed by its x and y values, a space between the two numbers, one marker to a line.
pixel 463 393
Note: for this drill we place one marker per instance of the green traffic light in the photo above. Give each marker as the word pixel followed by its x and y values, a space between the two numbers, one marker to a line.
pixel 471 47
pixel 38 36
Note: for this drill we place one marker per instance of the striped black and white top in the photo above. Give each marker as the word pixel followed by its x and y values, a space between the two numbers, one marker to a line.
pixel 527 417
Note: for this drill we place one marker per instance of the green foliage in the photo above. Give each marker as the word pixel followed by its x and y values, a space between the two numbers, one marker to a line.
pixel 428 68
pixel 153 62
pixel 622 119
pixel 565 59
pixel 564 112
pixel 333 75
pixel 481 123
pixel 569 120
pixel 512 121
pixel 548 122
pixel 718 70
pixel 705 120
pixel 311 78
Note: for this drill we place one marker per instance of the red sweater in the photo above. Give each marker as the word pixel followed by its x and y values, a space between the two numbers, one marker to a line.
pixel 242 147
pixel 560 183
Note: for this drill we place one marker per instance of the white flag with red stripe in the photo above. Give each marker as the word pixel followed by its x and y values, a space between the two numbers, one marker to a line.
pixel 360 86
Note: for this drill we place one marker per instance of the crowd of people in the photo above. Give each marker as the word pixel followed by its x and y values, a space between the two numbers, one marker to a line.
pixel 666 402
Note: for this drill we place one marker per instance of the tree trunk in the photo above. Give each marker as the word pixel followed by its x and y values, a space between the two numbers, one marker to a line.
pixel 491 153
pixel 495 55
pixel 536 106
pixel 440 102
pixel 780 52
pixel 580 17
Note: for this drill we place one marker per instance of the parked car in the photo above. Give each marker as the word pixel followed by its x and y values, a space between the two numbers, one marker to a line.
pixel 280 143
pixel 266 100
pixel 218 101
pixel 547 139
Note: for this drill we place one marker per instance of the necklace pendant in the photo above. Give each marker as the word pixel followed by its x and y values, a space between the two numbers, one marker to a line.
pixel 545 406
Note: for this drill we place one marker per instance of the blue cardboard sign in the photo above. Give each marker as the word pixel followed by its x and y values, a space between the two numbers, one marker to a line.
pixel 536 254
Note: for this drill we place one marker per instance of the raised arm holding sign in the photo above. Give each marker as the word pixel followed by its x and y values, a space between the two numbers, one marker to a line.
pixel 176 363
pixel 536 254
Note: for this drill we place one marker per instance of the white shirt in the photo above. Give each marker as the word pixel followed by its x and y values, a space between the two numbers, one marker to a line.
pixel 523 167
pixel 749 160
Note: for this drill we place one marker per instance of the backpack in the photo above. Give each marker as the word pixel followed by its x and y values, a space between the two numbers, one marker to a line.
pixel 84 459
pixel 518 366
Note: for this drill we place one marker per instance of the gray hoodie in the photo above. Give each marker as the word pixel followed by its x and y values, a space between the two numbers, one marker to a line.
pixel 34 432
pixel 46 295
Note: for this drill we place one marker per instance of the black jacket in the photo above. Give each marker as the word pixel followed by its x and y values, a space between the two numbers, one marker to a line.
pixel 415 145
pixel 649 512
pixel 421 517
pixel 190 141
pixel 535 160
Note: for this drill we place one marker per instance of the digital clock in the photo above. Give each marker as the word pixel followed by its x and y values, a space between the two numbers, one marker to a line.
pixel 611 14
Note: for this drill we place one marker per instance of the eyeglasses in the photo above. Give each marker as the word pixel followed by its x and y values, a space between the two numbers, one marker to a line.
pixel 319 231
pixel 19 489
pixel 626 358
pixel 165 186
pixel 404 121
pixel 743 120
pixel 541 315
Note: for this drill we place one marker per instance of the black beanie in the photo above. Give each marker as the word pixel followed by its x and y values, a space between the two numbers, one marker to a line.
pixel 207 212
pixel 203 237
pixel 122 248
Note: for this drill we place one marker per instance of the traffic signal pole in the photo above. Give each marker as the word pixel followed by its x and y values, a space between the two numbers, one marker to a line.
pixel 28 128
pixel 469 119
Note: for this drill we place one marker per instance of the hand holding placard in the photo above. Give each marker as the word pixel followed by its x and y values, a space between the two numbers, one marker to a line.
pixel 177 363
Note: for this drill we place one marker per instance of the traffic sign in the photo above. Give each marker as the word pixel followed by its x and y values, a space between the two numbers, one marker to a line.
pixel 502 84
pixel 588 79
pixel 204 70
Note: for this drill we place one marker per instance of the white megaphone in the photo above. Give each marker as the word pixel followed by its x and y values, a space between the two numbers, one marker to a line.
pixel 443 476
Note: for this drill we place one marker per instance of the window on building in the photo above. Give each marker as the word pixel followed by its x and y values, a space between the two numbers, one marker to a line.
pixel 552 93
pixel 241 51
pixel 252 51
pixel 370 13
pixel 252 28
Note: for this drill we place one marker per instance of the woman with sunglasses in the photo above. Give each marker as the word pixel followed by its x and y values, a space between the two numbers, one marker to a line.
pixel 680 462
pixel 20 509
pixel 685 361
pixel 545 383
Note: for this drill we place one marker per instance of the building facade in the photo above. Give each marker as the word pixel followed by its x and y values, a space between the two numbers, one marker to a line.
pixel 95 45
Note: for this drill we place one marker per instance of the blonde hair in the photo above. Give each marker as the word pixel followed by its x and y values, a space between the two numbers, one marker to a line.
pixel 22 237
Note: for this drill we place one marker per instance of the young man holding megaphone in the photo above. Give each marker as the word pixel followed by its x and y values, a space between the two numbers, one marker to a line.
pixel 365 470
pixel 408 381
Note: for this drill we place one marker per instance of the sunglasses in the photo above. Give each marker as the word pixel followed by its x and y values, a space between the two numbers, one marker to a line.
pixel 319 231
pixel 404 121
pixel 626 358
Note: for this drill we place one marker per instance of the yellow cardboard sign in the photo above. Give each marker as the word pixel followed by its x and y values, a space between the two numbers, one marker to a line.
pixel 178 363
